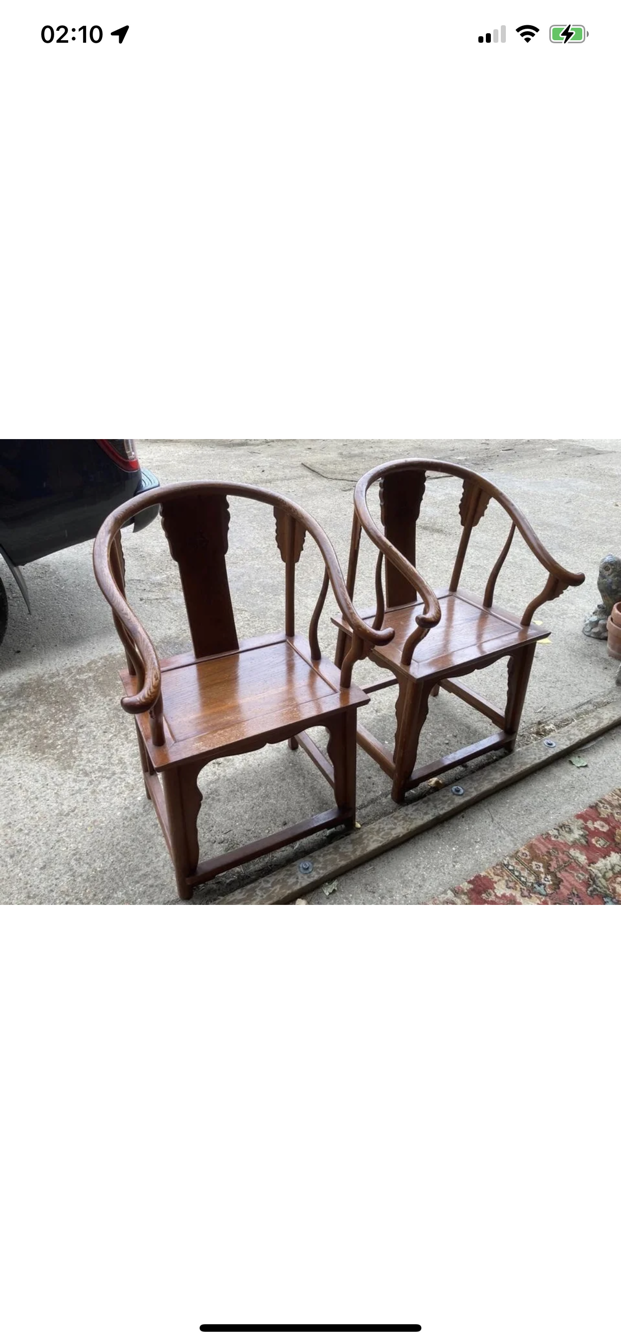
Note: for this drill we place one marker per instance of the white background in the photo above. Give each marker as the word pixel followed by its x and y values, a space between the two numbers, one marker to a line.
pixel 277 217
pixel 313 1115
pixel 331 219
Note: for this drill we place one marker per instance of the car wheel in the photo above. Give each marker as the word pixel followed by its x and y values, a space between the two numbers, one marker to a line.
pixel 4 611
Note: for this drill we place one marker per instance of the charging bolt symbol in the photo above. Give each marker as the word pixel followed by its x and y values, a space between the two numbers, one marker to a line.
pixel 571 32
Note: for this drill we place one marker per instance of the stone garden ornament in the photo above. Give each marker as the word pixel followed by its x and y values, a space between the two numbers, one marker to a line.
pixel 609 585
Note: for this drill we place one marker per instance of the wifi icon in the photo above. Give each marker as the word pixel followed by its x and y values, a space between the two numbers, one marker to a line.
pixel 527 31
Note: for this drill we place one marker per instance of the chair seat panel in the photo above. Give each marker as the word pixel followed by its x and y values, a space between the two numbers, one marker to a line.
pixel 185 659
pixel 214 703
pixel 467 632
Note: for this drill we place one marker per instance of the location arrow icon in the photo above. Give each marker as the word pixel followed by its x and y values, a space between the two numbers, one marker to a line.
pixel 121 33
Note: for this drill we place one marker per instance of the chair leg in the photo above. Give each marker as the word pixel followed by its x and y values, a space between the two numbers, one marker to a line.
pixel 519 671
pixel 342 753
pixel 342 647
pixel 147 768
pixel 183 803
pixel 412 707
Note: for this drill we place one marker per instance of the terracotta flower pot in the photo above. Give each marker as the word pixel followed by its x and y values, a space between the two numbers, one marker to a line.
pixel 614 632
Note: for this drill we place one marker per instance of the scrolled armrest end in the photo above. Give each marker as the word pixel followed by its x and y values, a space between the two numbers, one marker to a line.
pixel 383 636
pixel 144 701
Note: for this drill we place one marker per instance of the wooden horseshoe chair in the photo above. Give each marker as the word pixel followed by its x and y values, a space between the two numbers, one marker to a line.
pixel 439 636
pixel 230 696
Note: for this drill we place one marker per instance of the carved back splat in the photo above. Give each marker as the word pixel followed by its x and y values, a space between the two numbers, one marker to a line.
pixel 197 532
pixel 290 537
pixel 401 496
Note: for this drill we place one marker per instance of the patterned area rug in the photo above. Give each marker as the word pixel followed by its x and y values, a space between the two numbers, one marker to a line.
pixel 578 863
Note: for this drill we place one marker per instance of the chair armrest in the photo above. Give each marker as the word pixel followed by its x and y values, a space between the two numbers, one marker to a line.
pixel 565 577
pixel 558 578
pixel 431 614
pixel 150 692
pixel 359 628
pixel 555 585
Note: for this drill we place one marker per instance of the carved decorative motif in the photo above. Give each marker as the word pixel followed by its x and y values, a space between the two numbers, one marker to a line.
pixel 518 673
pixel 285 527
pixel 554 587
pixel 473 503
pixel 411 712
pixel 192 802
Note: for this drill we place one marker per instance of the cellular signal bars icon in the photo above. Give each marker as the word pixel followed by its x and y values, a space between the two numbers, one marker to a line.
pixel 493 36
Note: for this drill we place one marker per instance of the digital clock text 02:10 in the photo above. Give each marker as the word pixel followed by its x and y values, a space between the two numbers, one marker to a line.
pixel 64 34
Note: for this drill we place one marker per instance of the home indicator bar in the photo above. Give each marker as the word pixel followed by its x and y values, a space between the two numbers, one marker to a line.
pixel 313 1329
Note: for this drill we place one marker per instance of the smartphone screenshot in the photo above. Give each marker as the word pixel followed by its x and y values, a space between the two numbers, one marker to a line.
pixel 330 619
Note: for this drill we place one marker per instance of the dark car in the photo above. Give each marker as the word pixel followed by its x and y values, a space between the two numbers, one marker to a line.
pixel 57 492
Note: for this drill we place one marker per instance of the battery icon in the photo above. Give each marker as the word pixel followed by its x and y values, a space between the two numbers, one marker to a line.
pixel 568 32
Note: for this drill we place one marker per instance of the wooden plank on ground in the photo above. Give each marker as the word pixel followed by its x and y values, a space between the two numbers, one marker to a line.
pixel 288 883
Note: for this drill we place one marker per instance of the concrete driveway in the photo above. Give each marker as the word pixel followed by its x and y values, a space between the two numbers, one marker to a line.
pixel 75 824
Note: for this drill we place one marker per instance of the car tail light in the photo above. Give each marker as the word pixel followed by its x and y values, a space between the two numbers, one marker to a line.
pixel 122 452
